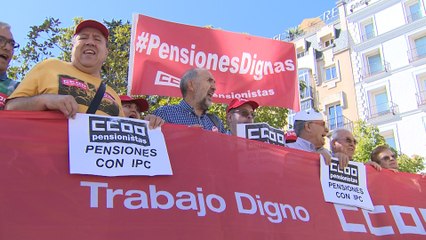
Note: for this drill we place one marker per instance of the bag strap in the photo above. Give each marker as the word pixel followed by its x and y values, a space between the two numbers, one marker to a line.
pixel 213 119
pixel 97 99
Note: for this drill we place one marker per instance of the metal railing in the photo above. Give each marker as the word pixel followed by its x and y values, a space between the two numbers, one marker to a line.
pixel 339 122
pixel 415 54
pixel 383 109
pixel 376 69
pixel 421 98
pixel 414 16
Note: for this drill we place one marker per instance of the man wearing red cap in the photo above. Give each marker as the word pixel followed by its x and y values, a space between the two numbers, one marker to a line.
pixel 133 107
pixel 240 111
pixel 70 87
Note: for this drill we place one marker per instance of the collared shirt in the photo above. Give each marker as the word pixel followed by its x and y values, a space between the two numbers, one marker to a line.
pixel 302 144
pixel 184 114
pixel 7 86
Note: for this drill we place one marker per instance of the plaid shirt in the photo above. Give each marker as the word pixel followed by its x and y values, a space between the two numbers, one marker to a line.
pixel 184 114
pixel 7 86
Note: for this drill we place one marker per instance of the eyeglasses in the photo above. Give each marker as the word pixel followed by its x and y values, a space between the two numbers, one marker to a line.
pixel 4 41
pixel 245 113
pixel 388 158
pixel 349 140
pixel 320 123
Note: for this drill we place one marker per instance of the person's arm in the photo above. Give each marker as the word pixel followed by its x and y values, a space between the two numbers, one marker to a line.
pixel 63 103
pixel 154 121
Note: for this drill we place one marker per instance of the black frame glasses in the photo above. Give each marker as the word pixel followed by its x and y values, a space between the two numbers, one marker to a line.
pixel 4 41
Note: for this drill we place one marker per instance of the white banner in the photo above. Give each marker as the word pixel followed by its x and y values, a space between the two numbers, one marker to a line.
pixel 115 146
pixel 347 186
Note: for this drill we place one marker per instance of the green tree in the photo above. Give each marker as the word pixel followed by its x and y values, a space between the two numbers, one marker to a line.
pixel 410 165
pixel 368 137
pixel 293 33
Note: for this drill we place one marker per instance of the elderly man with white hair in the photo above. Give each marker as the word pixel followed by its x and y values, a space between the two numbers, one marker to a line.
pixel 311 129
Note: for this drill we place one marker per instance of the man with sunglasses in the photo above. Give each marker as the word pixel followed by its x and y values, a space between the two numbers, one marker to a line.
pixel 311 129
pixel 7 48
pixel 343 141
pixel 240 111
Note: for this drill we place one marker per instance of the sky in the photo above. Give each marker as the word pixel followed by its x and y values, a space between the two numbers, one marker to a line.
pixel 265 18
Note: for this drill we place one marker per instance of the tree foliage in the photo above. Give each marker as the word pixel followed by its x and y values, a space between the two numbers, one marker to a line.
pixel 50 39
pixel 410 165
pixel 368 137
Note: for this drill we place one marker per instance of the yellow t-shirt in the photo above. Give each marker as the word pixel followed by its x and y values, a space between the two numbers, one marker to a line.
pixel 54 76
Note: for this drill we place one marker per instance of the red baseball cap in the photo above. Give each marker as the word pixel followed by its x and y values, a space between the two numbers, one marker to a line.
pixel 92 24
pixel 140 102
pixel 238 102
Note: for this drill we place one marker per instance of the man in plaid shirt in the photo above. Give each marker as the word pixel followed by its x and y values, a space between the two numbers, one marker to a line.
pixel 7 47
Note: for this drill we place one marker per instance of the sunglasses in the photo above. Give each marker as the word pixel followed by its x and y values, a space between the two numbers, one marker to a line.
pixel 4 41
pixel 245 113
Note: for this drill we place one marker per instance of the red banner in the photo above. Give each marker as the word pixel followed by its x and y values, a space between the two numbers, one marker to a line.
pixel 244 66
pixel 223 187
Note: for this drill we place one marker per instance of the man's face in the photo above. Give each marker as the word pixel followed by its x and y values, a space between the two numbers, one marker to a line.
pixel 241 114
pixel 317 131
pixel 204 88
pixel 387 159
pixel 131 110
pixel 89 51
pixel 6 51
pixel 344 143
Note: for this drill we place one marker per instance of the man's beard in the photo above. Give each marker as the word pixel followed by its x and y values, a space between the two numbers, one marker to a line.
pixel 204 104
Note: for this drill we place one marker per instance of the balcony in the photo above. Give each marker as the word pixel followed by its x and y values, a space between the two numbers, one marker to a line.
pixel 368 35
pixel 421 98
pixel 383 109
pixel 414 16
pixel 339 122
pixel 415 54
pixel 375 69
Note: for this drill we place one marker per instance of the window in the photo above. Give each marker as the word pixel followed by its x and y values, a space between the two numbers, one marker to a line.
pixel 421 95
pixel 379 103
pixel 300 52
pixel 420 44
pixel 330 73
pixel 368 30
pixel 414 10
pixel 305 92
pixel 389 138
pixel 329 43
pixel 335 117
pixel 374 64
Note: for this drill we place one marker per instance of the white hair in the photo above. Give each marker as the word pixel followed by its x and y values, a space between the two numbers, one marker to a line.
pixel 4 25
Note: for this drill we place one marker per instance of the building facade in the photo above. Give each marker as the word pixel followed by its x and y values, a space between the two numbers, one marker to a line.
pixel 388 55
pixel 368 63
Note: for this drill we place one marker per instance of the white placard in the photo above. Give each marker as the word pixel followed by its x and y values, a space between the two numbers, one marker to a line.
pixel 261 132
pixel 347 186
pixel 115 146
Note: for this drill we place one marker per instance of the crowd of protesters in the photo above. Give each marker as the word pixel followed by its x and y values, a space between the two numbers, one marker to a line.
pixel 76 87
